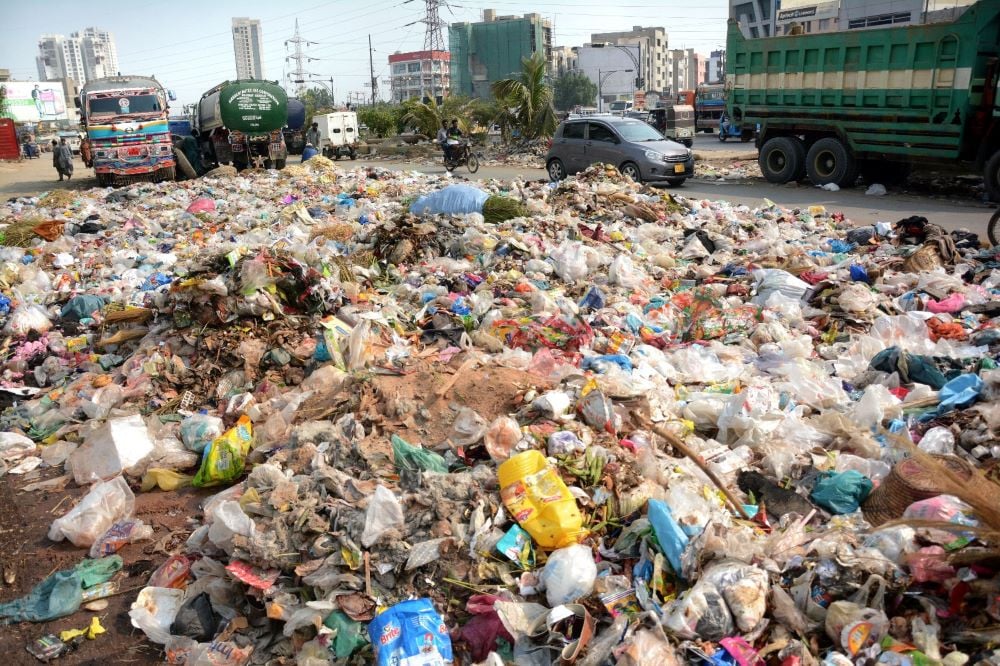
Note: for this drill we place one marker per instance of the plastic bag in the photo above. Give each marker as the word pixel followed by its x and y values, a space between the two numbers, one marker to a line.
pixel 228 521
pixel 860 622
pixel 411 632
pixel 669 534
pixel 384 513
pixel 744 587
pixel 574 260
pixel 201 205
pixel 700 612
pixel 569 575
pixel 937 440
pixel 223 461
pixel 841 492
pixel 164 479
pixel 200 430
pixel 154 611
pixel 28 318
pixel 61 593
pixel 414 458
pixel 106 503
pixel 121 533
pixel 501 438
pixel 452 200
pixel 111 449
pixel 468 428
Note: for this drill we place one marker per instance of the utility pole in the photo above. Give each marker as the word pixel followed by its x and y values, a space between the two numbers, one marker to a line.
pixel 433 39
pixel 371 69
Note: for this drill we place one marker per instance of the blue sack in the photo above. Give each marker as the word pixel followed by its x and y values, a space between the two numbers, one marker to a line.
pixel 841 492
pixel 412 633
pixel 452 200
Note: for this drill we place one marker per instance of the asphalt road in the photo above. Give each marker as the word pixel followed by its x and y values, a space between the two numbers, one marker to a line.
pixel 37 176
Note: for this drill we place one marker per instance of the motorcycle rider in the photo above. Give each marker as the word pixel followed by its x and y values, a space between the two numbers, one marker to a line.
pixel 442 140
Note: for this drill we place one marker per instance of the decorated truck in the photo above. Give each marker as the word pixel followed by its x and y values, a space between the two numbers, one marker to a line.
pixel 240 122
pixel 125 119
pixel 831 106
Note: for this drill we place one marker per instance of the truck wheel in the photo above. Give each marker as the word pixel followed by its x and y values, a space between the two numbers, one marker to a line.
pixel 185 165
pixel 279 164
pixel 991 177
pixel 240 162
pixel 782 159
pixel 829 161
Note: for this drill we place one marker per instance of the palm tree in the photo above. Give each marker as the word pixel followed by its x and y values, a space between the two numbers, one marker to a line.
pixel 427 116
pixel 526 102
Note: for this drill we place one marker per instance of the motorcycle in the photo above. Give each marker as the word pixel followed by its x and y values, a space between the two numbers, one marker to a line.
pixel 462 154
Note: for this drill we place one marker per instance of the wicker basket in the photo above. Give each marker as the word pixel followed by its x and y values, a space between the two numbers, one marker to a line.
pixel 909 482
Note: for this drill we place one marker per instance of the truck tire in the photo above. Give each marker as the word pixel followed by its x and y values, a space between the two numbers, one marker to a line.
pixel 830 161
pixel 991 177
pixel 185 165
pixel 279 164
pixel 782 159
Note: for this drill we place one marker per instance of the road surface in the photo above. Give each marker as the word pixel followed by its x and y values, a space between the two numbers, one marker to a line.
pixel 36 176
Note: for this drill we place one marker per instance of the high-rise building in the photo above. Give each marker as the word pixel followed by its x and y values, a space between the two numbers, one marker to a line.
pixel 420 75
pixel 652 43
pixel 756 17
pixel 83 56
pixel 100 57
pixel 50 61
pixel 715 67
pixel 564 59
pixel 492 49
pixel 248 48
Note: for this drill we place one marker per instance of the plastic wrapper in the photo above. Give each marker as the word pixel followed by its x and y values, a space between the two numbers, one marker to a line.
pixel 106 503
pixel 200 430
pixel 118 535
pixel 411 632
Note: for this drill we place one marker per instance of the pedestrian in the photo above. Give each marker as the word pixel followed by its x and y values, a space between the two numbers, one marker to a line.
pixel 442 140
pixel 309 151
pixel 85 153
pixel 312 136
pixel 62 158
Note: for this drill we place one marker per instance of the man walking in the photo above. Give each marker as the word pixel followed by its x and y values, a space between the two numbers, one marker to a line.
pixel 62 158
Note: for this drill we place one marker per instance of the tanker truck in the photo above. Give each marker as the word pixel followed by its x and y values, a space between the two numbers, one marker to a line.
pixel 240 122
pixel 876 102
pixel 125 118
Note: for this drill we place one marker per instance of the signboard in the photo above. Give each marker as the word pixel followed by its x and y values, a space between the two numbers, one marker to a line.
pixel 30 102
pixel 806 10
pixel 253 107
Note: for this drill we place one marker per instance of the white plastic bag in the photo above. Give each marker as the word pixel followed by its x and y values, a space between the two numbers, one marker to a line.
pixel 154 611
pixel 199 430
pixel 117 445
pixel 569 574
pixel 229 520
pixel 106 503
pixel 384 513
pixel 574 260
pixel 28 318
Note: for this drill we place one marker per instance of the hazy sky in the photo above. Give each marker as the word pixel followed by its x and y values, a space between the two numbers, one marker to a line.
pixel 188 45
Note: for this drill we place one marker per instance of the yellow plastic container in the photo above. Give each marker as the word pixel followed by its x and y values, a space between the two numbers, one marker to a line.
pixel 539 501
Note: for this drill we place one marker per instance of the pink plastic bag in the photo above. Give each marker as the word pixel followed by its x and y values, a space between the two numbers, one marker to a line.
pixel 202 205
pixel 953 303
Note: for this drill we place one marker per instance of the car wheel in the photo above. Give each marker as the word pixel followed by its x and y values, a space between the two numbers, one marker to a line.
pixel 781 159
pixel 556 170
pixel 675 182
pixel 830 161
pixel 631 170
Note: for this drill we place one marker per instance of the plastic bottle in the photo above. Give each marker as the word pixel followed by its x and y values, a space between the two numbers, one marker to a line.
pixel 539 500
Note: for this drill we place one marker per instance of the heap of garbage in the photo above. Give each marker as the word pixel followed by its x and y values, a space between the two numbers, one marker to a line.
pixel 585 422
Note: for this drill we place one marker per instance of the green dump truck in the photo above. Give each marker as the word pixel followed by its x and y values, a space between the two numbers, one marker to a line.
pixel 831 106
pixel 241 122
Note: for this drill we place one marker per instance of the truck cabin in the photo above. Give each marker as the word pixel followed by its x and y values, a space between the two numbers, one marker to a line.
pixel 113 103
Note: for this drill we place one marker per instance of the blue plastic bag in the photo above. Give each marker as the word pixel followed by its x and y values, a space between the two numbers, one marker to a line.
pixel 841 492
pixel 669 534
pixel 452 200
pixel 411 633
pixel 959 392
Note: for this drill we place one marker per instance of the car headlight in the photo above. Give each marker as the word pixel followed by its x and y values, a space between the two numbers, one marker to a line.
pixel 653 155
pixel 689 153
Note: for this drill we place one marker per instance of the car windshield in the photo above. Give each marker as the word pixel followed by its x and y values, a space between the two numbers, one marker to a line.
pixel 124 105
pixel 636 130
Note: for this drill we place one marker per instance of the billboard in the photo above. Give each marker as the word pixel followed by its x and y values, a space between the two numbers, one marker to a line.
pixel 806 10
pixel 30 102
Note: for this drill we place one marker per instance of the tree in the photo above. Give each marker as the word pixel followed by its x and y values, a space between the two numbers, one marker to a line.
pixel 574 89
pixel 426 117
pixel 3 101
pixel 526 101
pixel 383 119
pixel 317 101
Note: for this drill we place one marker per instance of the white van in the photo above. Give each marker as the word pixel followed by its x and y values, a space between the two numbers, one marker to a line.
pixel 338 134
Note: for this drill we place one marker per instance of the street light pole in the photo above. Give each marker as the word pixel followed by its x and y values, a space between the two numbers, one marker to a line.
pixel 601 78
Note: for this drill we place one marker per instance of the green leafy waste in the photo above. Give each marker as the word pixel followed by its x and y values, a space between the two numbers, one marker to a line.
pixel 500 209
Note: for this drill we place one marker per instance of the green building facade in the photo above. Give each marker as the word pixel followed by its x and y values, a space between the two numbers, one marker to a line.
pixel 491 50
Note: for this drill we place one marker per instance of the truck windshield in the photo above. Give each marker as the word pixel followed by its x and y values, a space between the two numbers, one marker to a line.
pixel 638 131
pixel 124 105
pixel 619 106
